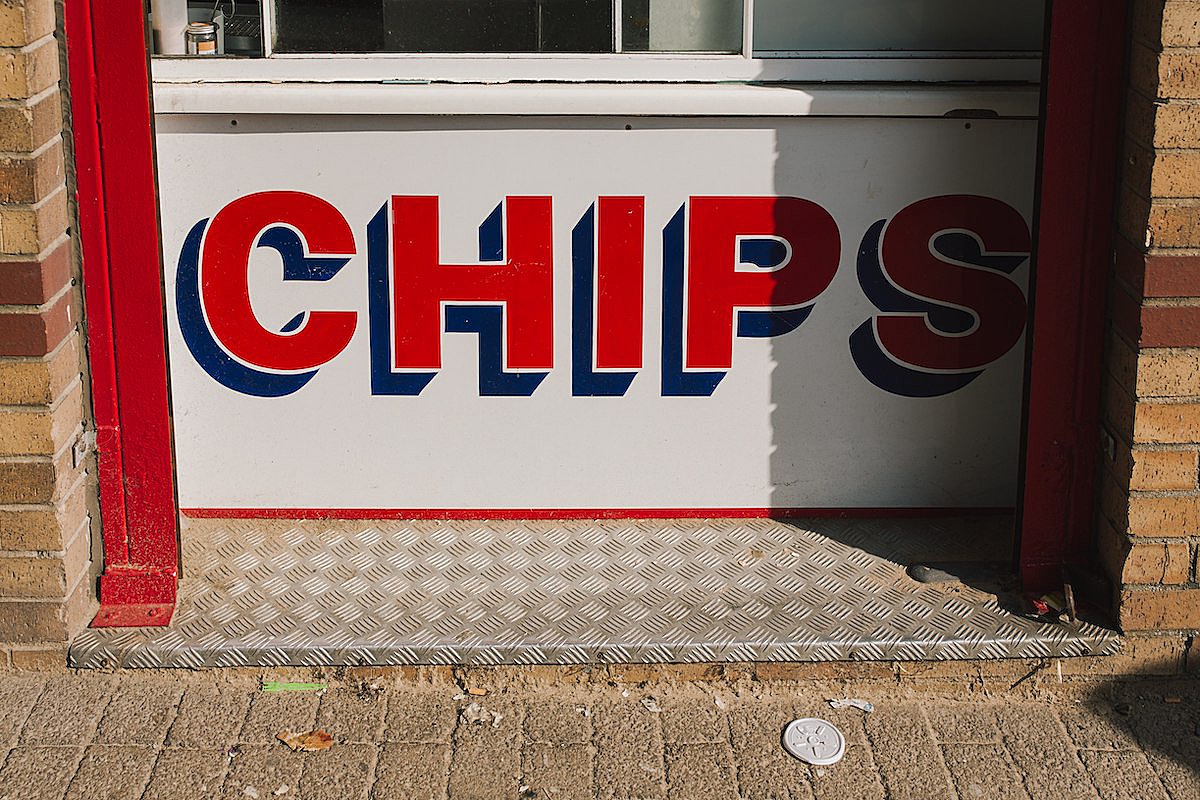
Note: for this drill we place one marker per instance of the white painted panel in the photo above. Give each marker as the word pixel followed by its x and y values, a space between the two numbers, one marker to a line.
pixel 794 423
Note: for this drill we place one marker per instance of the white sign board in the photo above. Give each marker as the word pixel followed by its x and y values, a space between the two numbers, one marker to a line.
pixel 531 314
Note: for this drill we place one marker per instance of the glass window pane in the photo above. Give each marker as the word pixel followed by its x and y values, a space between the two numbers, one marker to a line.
pixel 443 26
pixel 980 25
pixel 682 26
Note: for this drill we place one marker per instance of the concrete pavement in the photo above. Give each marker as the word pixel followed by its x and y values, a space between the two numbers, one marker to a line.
pixel 414 735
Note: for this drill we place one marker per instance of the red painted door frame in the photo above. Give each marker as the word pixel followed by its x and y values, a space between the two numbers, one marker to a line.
pixel 1074 230
pixel 114 152
pixel 112 129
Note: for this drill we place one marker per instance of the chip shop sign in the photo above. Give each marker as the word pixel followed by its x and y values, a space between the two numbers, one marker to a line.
pixel 938 273
pixel 604 343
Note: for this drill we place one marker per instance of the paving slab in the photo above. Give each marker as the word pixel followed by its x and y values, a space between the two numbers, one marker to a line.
pixel 629 750
pixel 983 772
pixel 421 716
pixel 1043 754
pixel 202 736
pixel 259 770
pixel 344 772
pixel 953 724
pixel 908 760
pixel 181 774
pixel 272 713
pixel 413 771
pixel 487 752
pixel 558 772
pixel 701 772
pixel 764 769
pixel 353 716
pixel 855 777
pixel 1123 775
pixel 38 773
pixel 210 715
pixel 112 772
pixel 17 696
pixel 558 722
pixel 67 711
pixel 140 712
pixel 693 720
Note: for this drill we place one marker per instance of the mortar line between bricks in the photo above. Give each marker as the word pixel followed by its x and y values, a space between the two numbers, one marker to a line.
pixel 937 748
pixel 161 745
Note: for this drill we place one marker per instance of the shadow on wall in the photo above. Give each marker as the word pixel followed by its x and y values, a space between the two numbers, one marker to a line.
pixel 897 339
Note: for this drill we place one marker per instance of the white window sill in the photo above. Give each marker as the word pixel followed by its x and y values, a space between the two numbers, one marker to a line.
pixel 595 99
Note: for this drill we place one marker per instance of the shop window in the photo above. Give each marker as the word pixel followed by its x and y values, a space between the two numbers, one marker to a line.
pixel 804 39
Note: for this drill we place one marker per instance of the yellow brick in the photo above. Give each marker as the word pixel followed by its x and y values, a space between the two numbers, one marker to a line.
pixel 39 381
pixel 41 433
pixel 1164 470
pixel 1178 74
pixel 1176 124
pixel 28 70
pixel 1164 516
pixel 43 528
pixel 27 125
pixel 1172 223
pixel 1167 423
pixel 1180 25
pixel 28 230
pixel 43 576
pixel 1144 564
pixel 1178 563
pixel 1169 373
pixel 25 21
pixel 1175 173
pixel 1160 609
pixel 25 433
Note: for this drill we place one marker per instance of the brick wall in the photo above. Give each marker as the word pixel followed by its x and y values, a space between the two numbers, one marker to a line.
pixel 1149 525
pixel 45 491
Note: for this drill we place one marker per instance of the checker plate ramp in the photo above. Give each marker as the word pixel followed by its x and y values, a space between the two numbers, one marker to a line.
pixel 267 593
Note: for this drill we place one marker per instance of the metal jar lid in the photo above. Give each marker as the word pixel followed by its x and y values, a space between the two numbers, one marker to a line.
pixel 201 28
pixel 814 741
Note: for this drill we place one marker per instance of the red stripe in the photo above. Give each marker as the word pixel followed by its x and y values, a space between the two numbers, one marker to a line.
pixel 122 97
pixel 583 513
pixel 97 293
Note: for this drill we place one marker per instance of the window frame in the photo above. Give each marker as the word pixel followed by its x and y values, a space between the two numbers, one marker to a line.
pixel 640 67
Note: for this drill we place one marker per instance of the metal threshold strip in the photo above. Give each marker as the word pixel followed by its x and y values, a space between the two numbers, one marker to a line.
pixel 271 593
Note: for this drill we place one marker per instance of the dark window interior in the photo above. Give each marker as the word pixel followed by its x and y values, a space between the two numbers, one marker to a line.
pixel 444 26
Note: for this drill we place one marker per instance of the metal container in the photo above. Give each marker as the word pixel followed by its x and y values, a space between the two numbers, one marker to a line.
pixel 201 39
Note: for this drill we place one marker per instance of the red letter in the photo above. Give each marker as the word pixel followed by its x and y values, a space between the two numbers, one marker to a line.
pixel 523 283
pixel 719 281
pixel 314 241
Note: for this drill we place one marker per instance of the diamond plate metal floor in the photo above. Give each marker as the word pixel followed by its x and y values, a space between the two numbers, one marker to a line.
pixel 319 593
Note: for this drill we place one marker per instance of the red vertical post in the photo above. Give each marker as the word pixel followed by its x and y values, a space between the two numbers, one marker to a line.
pixel 1084 81
pixel 114 154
